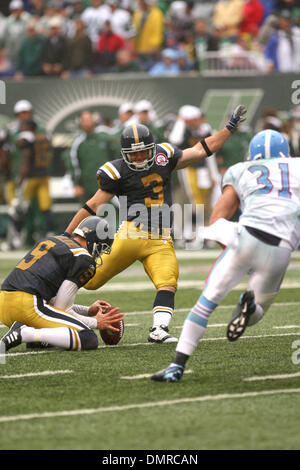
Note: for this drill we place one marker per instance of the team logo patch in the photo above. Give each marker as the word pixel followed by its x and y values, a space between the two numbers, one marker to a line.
pixel 161 159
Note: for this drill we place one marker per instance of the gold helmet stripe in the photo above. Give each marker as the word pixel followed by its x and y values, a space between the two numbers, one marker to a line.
pixel 135 133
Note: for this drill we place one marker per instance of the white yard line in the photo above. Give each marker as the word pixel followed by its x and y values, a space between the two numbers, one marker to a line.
pixel 271 377
pixel 36 374
pixel 286 327
pixel 146 376
pixel 136 406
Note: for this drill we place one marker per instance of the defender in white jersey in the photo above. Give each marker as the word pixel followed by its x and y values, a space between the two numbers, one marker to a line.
pixel 268 190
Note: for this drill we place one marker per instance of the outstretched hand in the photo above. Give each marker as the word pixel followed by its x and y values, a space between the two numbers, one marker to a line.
pixel 236 118
pixel 109 320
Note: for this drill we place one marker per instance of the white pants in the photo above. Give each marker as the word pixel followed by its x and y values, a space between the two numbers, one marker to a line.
pixel 265 264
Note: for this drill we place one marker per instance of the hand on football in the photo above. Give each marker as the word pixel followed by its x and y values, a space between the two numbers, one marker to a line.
pixel 236 118
pixel 109 320
pixel 99 306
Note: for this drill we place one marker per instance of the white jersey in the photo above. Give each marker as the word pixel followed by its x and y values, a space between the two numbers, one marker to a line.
pixel 269 193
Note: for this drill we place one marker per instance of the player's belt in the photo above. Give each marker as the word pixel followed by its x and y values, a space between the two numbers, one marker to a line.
pixel 265 237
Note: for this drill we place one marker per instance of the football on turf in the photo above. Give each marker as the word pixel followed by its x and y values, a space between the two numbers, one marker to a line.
pixel 110 336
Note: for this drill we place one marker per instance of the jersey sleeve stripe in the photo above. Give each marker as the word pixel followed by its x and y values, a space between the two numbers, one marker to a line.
pixel 109 171
pixel 113 169
pixel 168 148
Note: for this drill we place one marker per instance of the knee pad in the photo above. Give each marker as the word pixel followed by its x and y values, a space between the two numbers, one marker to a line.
pixel 88 339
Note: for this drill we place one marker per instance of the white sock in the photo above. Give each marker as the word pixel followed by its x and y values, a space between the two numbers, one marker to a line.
pixel 60 336
pixel 162 315
pixel 190 335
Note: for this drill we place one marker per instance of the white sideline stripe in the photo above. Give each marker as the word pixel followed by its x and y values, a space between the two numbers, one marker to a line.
pixel 35 374
pixel 271 377
pixel 136 406
pixel 147 376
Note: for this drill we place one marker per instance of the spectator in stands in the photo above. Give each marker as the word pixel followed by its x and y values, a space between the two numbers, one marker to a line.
pixel 73 10
pixel 54 49
pixel 148 22
pixel 179 19
pixel 108 45
pixel 78 53
pixel 184 63
pixel 94 18
pixel 6 69
pixel 30 54
pixel 125 63
pixel 252 15
pixel 203 42
pixel 120 19
pixel 269 7
pixel 51 11
pixel 167 65
pixel 282 51
pixel 37 8
pixel 227 16
pixel 15 30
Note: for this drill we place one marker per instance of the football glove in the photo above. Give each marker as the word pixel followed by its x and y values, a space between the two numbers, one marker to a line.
pixel 236 118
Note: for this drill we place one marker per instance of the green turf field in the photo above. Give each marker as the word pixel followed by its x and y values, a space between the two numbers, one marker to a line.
pixel 243 395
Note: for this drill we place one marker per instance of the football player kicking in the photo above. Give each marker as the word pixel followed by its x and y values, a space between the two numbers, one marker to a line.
pixel 260 244
pixel 143 175
pixel 37 297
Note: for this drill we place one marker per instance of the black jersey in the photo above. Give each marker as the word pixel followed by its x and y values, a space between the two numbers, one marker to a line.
pixel 143 189
pixel 50 262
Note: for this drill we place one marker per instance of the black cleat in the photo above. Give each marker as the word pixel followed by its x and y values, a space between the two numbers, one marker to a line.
pixel 170 374
pixel 240 318
pixel 13 337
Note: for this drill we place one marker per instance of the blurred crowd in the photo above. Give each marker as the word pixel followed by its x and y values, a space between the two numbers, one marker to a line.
pixel 27 155
pixel 65 38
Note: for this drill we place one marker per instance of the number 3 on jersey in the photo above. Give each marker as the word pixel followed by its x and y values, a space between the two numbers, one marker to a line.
pixel 264 178
pixel 156 189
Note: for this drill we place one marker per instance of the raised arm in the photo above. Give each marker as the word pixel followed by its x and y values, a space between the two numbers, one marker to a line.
pixel 208 146
pixel 89 208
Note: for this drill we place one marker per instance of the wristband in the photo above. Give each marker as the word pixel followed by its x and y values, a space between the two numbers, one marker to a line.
pixel 204 145
pixel 88 209
pixel 66 234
